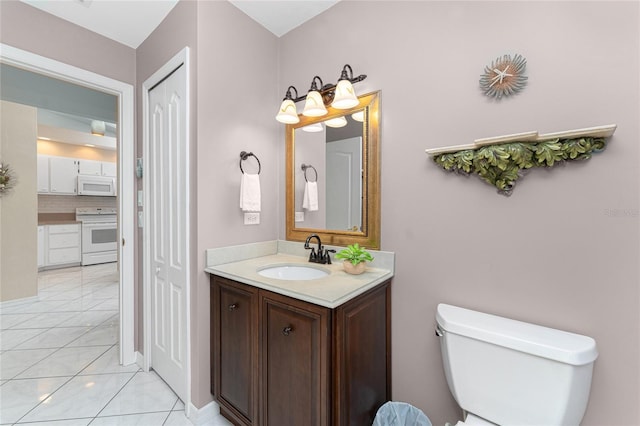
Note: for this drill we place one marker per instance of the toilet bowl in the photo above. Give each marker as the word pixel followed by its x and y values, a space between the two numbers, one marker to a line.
pixel 506 372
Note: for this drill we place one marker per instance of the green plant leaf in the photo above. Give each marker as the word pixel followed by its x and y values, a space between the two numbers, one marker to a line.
pixel 355 254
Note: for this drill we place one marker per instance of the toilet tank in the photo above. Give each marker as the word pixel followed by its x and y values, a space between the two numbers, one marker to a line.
pixel 515 373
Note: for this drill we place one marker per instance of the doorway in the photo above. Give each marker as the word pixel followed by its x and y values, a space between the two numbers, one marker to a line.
pixel 126 182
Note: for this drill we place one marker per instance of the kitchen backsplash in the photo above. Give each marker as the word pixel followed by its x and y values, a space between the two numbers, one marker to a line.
pixel 69 203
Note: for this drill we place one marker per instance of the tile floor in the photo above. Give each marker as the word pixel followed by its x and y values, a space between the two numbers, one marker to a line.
pixel 59 359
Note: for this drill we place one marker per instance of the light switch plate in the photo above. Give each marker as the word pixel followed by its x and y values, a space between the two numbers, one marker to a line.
pixel 299 217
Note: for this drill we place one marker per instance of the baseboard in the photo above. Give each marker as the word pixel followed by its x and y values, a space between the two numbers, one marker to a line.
pixel 205 415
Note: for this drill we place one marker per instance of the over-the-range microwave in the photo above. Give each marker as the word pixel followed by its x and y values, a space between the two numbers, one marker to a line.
pixel 103 186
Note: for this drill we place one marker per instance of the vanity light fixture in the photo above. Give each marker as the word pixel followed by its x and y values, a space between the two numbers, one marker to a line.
pixel 358 116
pixel 339 96
pixel 314 105
pixel 313 128
pixel 336 122
pixel 287 113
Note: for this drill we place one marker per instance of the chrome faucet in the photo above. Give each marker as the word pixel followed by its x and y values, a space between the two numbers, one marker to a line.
pixel 322 255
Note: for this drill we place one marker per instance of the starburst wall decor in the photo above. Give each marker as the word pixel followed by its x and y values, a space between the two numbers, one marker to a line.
pixel 504 77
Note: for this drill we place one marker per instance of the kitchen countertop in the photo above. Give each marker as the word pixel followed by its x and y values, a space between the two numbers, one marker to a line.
pixel 241 263
pixel 56 219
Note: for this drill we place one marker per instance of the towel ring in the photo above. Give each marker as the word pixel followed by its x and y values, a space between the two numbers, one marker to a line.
pixel 304 168
pixel 244 155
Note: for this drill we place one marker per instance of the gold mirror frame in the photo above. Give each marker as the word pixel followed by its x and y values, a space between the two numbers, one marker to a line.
pixel 369 235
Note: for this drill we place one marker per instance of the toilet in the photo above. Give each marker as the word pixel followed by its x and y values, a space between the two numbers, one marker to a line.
pixel 506 372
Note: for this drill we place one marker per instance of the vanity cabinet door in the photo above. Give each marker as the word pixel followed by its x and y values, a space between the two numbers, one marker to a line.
pixel 295 362
pixel 235 317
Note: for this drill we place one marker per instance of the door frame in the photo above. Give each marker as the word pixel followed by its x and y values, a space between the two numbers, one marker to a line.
pixel 126 180
pixel 181 58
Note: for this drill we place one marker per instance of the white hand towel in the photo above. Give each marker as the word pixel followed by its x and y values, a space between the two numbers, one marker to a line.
pixel 250 193
pixel 310 199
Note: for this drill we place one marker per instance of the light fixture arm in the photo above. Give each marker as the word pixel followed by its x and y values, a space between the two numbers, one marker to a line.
pixel 326 90
pixel 288 94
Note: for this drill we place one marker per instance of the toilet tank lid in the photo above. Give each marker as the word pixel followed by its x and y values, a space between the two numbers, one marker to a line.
pixel 558 345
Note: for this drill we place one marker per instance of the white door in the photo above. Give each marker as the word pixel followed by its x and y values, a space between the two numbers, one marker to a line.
pixel 344 184
pixel 168 150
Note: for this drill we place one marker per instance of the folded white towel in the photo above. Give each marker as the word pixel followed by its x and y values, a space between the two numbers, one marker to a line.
pixel 250 193
pixel 310 199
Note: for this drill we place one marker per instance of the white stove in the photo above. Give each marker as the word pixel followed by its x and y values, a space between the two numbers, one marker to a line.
pixel 99 234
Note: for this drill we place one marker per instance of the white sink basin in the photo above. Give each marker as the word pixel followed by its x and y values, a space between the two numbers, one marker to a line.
pixel 293 272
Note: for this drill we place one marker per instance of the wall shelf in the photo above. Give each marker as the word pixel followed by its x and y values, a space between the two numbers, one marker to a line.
pixel 502 160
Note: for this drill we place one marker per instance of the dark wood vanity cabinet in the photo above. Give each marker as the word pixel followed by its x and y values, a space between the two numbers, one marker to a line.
pixel 280 361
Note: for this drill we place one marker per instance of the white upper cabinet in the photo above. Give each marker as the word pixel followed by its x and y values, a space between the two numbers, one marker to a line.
pixel 63 174
pixel 43 174
pixel 109 169
pixel 90 167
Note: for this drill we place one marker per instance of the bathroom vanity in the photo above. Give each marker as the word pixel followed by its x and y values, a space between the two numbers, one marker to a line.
pixel 299 352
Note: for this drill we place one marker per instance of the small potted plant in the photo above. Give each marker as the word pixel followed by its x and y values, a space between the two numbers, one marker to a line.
pixel 354 258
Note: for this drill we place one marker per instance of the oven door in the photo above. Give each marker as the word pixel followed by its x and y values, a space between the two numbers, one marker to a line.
pixel 99 237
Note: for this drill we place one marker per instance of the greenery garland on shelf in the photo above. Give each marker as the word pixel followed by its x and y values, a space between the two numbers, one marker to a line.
pixel 502 165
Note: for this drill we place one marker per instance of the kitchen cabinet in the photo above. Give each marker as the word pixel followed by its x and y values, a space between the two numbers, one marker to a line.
pixel 277 360
pixel 63 174
pixel 109 169
pixel 41 246
pixel 63 244
pixel 90 167
pixel 42 168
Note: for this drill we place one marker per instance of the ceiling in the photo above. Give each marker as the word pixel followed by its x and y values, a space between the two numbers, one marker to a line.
pixel 130 22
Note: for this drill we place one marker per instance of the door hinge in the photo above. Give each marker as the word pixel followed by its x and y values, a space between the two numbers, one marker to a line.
pixel 123 242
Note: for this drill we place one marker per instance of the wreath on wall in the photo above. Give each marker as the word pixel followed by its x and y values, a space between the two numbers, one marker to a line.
pixel 7 179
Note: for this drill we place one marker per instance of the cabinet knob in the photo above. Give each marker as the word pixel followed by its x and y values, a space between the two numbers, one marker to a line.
pixel 233 306
pixel 287 330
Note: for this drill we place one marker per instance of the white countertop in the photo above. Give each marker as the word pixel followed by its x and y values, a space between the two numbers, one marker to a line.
pixel 331 291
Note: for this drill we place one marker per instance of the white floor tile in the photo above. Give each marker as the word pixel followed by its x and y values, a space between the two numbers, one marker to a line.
pixel 13 363
pixel 9 339
pixel 49 319
pixel 69 422
pixel 53 338
pixel 82 396
pixel 17 397
pixel 147 419
pixel 178 418
pixel 98 336
pixel 88 318
pixel 109 362
pixel 64 362
pixel 11 320
pixel 146 392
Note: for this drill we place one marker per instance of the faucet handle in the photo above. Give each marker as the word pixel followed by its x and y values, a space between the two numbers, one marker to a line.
pixel 327 256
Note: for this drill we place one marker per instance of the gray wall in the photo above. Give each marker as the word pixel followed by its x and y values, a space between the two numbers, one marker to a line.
pixel 563 250
pixel 31 29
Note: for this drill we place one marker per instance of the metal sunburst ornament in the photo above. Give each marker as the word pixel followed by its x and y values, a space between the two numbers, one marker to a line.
pixel 504 77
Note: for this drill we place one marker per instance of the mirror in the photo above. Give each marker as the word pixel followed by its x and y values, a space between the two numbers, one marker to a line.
pixel 343 164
